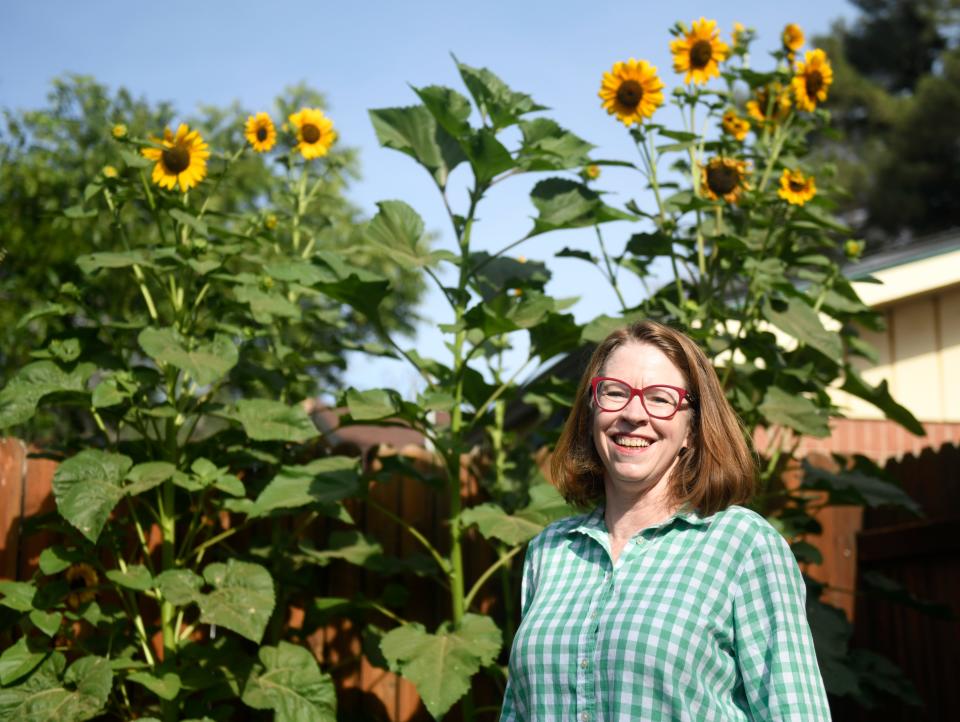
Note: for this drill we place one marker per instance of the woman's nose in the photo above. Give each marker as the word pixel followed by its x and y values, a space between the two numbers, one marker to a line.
pixel 634 410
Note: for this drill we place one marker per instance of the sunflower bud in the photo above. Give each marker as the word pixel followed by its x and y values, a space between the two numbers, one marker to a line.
pixel 270 222
pixel 119 131
pixel 109 172
pixel 853 248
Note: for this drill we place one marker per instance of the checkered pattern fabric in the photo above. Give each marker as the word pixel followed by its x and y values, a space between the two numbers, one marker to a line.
pixel 700 620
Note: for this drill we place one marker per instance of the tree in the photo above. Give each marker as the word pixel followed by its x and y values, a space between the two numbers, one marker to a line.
pixel 49 156
pixel 894 100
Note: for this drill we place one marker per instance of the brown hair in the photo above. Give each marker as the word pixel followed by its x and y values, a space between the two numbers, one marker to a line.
pixel 715 472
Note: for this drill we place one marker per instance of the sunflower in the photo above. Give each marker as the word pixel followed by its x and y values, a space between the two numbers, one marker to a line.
pixel 260 132
pixel 591 172
pixel 182 159
pixel 792 38
pixel 81 577
pixel 315 133
pixel 699 52
pixel 770 103
pixel 724 178
pixel 796 188
pixel 119 131
pixel 631 90
pixel 734 125
pixel 812 80
pixel 738 35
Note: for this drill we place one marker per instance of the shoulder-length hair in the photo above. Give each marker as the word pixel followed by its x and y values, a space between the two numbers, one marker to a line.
pixel 717 470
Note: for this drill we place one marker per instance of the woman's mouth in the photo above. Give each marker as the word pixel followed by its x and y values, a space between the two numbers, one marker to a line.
pixel 633 442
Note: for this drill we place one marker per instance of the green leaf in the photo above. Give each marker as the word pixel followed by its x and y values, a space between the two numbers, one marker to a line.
pixel 397 229
pixel 122 259
pixel 545 506
pixel 81 695
pixel 359 290
pixel 136 577
pixel 795 412
pixel 165 687
pixel 289 681
pixel 547 146
pixel 267 305
pixel 17 595
pixel 46 622
pixel 855 487
pixel 372 404
pixel 351 546
pixel 441 665
pixel 321 481
pixel 795 317
pixel 269 420
pixel 559 333
pixel 19 398
pixel 563 203
pixel 448 107
pixel 487 155
pixel 806 553
pixel 188 219
pixel 414 131
pixel 205 362
pixel 879 396
pixel 55 559
pixel 179 586
pixel 494 523
pixel 498 102
pixel 21 659
pixel 148 475
pixel 88 486
pixel 242 599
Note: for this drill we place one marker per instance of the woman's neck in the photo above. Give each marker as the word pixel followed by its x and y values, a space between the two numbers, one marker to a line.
pixel 626 514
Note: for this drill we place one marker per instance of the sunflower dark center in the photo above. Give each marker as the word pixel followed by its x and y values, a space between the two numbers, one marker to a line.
pixel 176 159
pixel 701 53
pixel 261 134
pixel 814 82
pixel 310 133
pixel 78 583
pixel 630 93
pixel 797 186
pixel 722 179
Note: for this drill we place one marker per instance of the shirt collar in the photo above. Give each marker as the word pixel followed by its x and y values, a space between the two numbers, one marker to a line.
pixel 593 524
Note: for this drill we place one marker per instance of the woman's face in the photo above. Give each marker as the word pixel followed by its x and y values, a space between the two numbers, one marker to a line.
pixel 638 452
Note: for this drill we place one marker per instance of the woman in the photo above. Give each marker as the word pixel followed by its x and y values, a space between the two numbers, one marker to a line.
pixel 667 601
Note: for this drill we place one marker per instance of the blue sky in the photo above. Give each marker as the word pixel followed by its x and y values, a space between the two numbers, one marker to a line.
pixel 365 55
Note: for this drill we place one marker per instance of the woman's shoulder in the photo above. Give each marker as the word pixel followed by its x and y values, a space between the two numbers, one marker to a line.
pixel 744 524
pixel 559 529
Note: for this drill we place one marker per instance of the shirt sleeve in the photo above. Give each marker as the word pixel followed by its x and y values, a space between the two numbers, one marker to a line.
pixel 774 646
pixel 509 712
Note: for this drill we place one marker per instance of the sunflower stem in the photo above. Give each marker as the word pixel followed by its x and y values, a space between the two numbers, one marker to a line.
pixel 611 276
pixel 648 154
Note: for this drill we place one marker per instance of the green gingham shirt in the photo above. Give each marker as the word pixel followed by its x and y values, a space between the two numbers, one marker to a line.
pixel 701 619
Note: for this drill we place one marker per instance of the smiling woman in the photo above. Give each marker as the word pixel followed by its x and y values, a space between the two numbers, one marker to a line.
pixel 665 600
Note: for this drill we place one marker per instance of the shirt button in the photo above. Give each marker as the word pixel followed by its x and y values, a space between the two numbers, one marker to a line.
pixel 584 717
pixel 584 664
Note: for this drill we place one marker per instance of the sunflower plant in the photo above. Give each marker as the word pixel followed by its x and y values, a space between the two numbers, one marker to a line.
pixel 181 507
pixel 737 242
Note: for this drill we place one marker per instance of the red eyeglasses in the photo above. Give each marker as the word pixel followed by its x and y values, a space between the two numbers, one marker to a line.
pixel 660 401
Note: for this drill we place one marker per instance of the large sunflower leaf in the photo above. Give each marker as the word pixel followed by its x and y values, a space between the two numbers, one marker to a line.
pixel 796 317
pixel 441 665
pixel 21 658
pixel 397 229
pixel 448 107
pixel 269 420
pixel 121 259
pixel 563 203
pixel 19 398
pixel 165 687
pixel 206 362
pixel 87 487
pixel 351 546
pixel 548 146
pixel 494 523
pixel 289 681
pixel 320 482
pixel 488 156
pixel 853 486
pixel 414 131
pixel 242 599
pixel 17 595
pixel 795 412
pixel 179 586
pixel 495 99
pixel 44 697
pixel 879 396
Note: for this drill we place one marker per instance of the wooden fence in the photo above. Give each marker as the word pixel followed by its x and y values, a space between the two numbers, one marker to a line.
pixel 364 691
